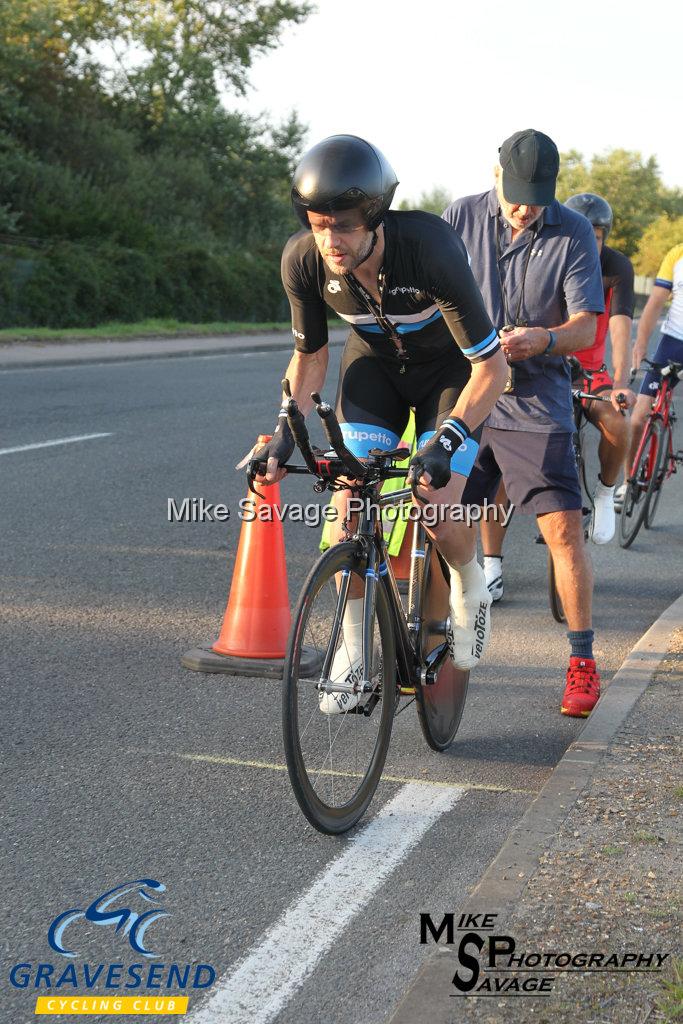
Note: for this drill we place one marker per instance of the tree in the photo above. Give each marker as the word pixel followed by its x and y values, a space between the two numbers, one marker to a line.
pixel 434 201
pixel 171 54
pixel 632 186
pixel 659 237
pixel 126 186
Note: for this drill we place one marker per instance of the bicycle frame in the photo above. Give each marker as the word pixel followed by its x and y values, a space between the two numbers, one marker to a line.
pixel 661 410
pixel 406 624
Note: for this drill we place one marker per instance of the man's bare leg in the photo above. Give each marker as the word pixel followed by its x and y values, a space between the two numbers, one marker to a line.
pixel 563 533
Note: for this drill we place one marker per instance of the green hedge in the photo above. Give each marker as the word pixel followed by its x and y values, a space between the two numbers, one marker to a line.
pixel 69 284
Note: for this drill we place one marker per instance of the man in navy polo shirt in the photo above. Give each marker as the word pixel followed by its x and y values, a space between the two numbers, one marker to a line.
pixel 537 265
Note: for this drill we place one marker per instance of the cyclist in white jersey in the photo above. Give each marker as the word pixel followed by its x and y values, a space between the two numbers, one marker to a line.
pixel 668 285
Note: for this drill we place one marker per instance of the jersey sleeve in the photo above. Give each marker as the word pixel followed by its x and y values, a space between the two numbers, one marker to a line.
pixel 623 298
pixel 665 274
pixel 299 278
pixel 457 295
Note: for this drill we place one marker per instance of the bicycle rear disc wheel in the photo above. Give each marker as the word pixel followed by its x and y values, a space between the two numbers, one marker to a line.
pixel 335 761
pixel 635 499
pixel 439 704
pixel 654 491
pixel 556 606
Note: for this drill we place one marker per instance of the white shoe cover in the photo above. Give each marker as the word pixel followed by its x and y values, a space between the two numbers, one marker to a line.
pixel 470 626
pixel 603 521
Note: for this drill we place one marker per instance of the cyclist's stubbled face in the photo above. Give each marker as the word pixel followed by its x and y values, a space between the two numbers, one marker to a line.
pixel 342 239
pixel 516 214
pixel 599 237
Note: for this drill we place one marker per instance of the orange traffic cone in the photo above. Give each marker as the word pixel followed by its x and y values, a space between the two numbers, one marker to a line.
pixel 253 637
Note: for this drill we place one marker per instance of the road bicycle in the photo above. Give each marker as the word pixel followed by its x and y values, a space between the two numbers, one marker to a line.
pixel 580 420
pixel 655 460
pixel 335 761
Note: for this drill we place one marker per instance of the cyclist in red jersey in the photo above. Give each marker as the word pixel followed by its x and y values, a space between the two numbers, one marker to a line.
pixel 617 277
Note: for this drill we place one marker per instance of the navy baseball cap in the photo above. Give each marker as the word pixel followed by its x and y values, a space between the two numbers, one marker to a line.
pixel 530 163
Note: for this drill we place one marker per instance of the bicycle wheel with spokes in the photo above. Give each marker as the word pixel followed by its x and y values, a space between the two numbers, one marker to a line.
pixel 555 601
pixel 335 760
pixel 440 703
pixel 654 490
pixel 634 509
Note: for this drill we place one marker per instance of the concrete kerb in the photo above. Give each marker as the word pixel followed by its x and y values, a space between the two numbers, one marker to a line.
pixel 503 883
pixel 39 356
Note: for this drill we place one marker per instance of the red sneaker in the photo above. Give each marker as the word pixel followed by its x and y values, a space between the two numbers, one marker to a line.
pixel 582 691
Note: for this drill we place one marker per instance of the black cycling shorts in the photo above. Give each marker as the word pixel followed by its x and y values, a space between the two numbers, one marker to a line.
pixel 374 399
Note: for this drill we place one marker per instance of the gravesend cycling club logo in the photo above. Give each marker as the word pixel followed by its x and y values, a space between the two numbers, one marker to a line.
pixel 126 921
pixel 483 954
pixel 127 911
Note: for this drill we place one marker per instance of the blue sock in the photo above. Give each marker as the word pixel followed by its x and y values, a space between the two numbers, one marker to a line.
pixel 581 641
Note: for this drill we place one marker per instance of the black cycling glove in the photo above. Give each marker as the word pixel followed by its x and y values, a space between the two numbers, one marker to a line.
pixel 435 457
pixel 280 446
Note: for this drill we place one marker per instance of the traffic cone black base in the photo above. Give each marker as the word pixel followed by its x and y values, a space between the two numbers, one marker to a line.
pixel 205 659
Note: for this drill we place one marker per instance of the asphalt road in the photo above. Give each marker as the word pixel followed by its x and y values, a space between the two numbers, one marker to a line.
pixel 118 764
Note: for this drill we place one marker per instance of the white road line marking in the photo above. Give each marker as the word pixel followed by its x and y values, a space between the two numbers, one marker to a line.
pixel 50 444
pixel 266 978
pixel 236 762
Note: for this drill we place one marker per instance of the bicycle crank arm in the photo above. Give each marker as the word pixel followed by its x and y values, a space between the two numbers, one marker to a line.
pixel 433 663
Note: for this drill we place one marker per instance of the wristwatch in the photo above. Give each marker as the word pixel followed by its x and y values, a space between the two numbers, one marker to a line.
pixel 551 343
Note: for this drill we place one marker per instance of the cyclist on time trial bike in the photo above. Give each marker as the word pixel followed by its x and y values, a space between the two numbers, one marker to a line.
pixel 668 285
pixel 420 337
pixel 617 278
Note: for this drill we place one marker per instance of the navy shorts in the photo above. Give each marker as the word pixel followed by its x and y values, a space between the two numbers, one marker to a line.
pixel 374 399
pixel 670 349
pixel 538 470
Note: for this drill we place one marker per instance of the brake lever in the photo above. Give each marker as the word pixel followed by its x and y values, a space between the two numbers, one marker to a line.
pixel 411 480
pixel 255 466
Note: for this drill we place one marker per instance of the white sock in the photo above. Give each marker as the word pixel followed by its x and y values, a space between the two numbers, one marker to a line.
pixel 493 567
pixel 353 613
pixel 352 630
pixel 603 523
pixel 348 653
pixel 603 491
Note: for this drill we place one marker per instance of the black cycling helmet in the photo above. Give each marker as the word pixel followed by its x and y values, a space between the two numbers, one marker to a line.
pixel 595 208
pixel 344 172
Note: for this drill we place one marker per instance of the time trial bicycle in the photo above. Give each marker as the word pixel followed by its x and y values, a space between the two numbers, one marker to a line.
pixel 335 761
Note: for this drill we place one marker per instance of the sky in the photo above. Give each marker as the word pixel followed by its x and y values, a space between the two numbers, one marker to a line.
pixel 438 85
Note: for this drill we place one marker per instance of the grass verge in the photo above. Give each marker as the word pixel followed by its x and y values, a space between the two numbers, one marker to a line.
pixel 141 329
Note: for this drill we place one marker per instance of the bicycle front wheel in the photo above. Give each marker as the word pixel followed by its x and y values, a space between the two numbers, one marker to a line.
pixel 335 760
pixel 634 509
pixel 654 491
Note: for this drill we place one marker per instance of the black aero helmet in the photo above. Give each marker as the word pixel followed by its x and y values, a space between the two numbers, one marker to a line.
pixel 595 208
pixel 343 172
